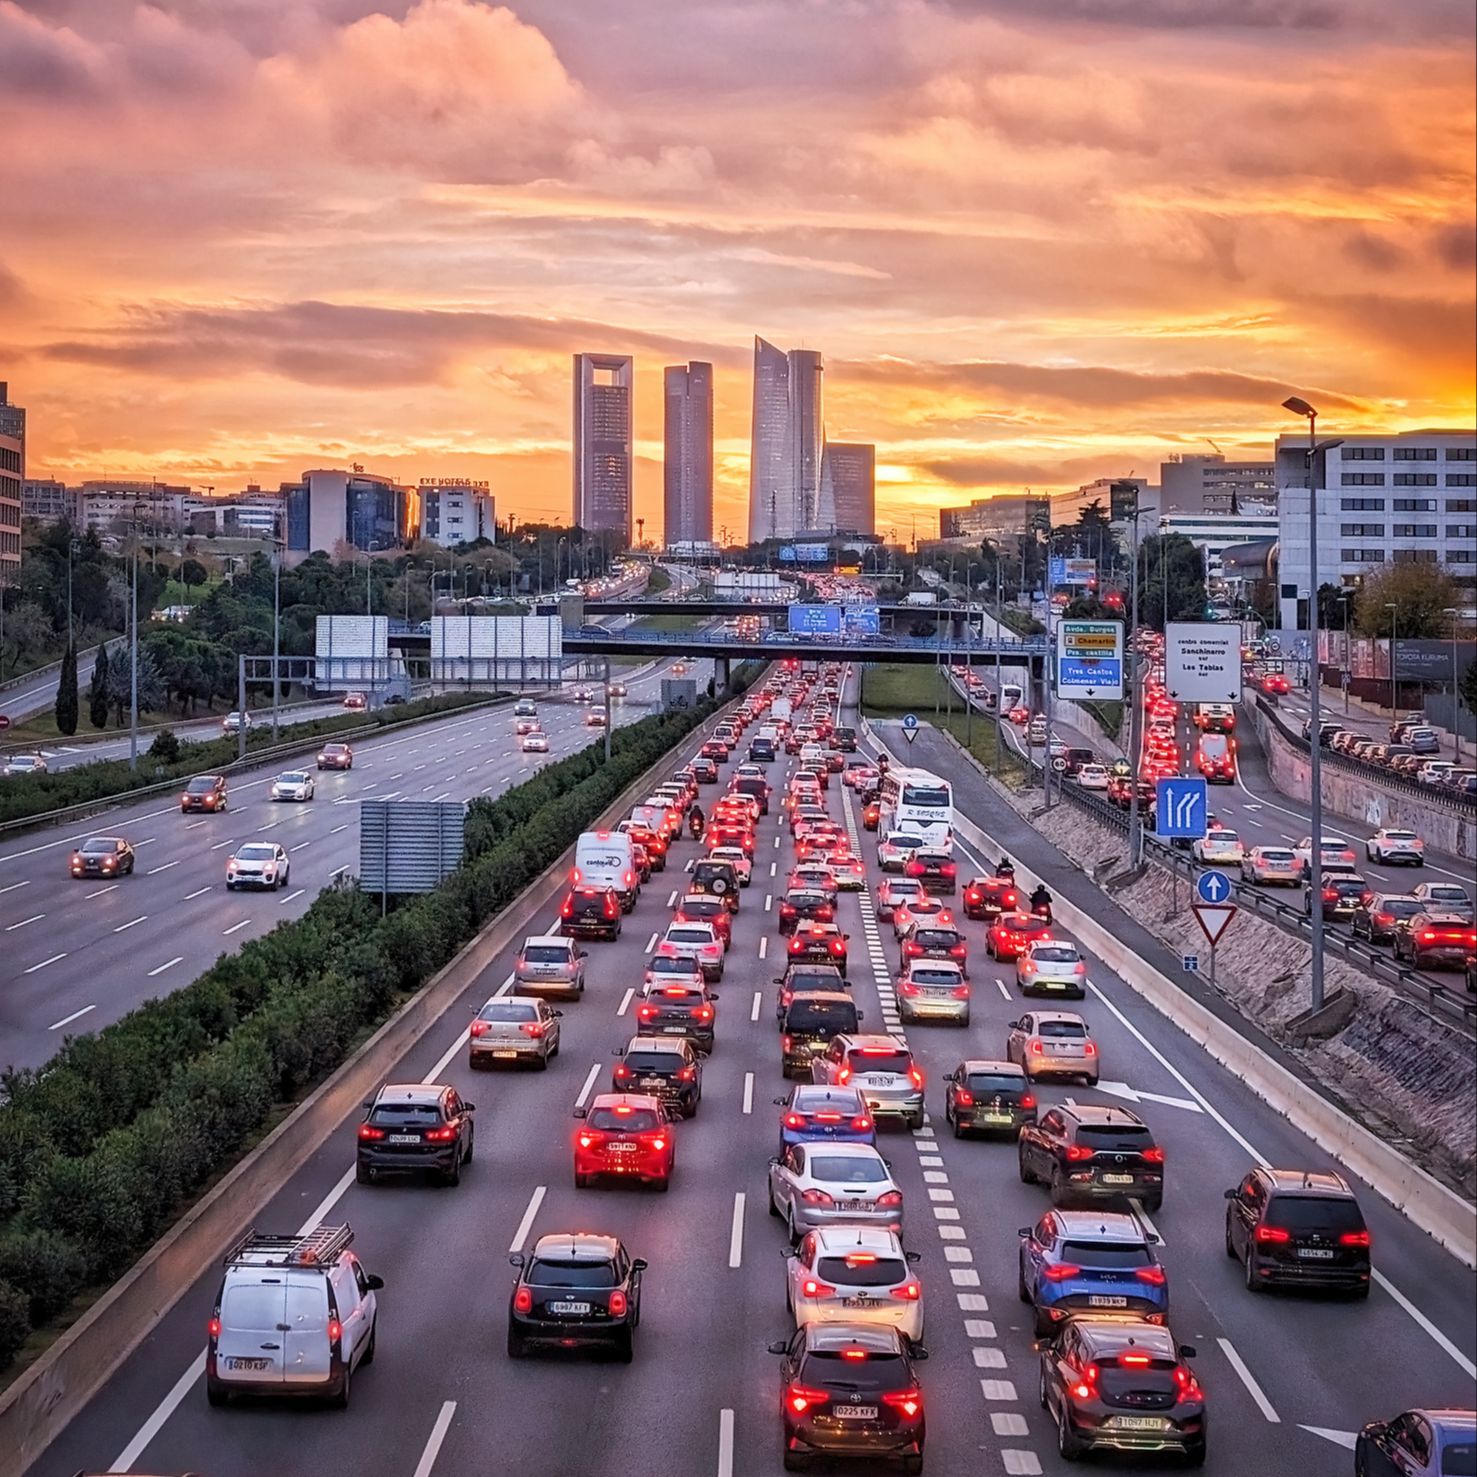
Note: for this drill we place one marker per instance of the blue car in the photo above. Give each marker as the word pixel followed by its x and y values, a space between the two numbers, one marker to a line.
pixel 814 1114
pixel 1076 1262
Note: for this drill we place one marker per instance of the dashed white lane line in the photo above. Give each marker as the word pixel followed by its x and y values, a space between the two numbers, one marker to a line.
pixel 220 844
pixel 672 898
pixel 163 868
pixel 132 923
pixel 585 1091
pixel 526 1224
pixel 432 1447
pixel 12 886
pixel 168 964
pixel 768 901
pixel 626 999
pixel 298 893
pixel 651 943
pixel 67 1020
pixel 763 945
pixel 736 1234
pixel 236 928
pixel 757 1005
pixel 725 1443
pixel 301 844
pixel 111 887
pixel 35 918
pixel 43 964
pixel 1001 985
pixel 748 1092
pixel 1249 1380
pixel 198 892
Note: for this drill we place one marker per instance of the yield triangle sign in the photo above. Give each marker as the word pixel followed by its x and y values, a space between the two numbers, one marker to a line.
pixel 1214 919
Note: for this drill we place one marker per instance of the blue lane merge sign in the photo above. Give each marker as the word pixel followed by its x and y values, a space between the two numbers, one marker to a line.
pixel 1182 808
pixel 1213 887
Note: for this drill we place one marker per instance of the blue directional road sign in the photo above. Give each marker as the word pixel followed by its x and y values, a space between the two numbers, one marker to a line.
pixel 1190 963
pixel 910 721
pixel 1213 887
pixel 1182 807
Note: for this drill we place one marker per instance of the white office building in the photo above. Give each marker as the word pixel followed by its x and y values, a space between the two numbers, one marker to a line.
pixel 455 510
pixel 1407 497
pixel 1212 533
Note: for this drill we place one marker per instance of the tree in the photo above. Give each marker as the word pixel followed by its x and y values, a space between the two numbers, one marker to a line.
pixel 152 694
pixel 193 572
pixel 66 694
pixel 1467 687
pixel 97 694
pixel 1171 581
pixel 1421 595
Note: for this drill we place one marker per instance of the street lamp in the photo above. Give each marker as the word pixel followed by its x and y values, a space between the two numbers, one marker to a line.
pixel 1344 621
pixel 1451 613
pixel 1394 610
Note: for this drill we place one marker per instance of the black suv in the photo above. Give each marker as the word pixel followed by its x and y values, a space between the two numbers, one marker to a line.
pixel 683 1009
pixel 1087 1152
pixel 1380 919
pixel 850 1389
pixel 809 1022
pixel 717 877
pixel 988 1097
pixel 1343 895
pixel 590 913
pixel 825 978
pixel 761 751
pixel 575 1288
pixel 1298 1228
pixel 417 1128
pixel 844 740
pixel 668 1068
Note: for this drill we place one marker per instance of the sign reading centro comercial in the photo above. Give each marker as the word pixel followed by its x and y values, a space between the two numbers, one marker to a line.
pixel 1089 659
pixel 1202 661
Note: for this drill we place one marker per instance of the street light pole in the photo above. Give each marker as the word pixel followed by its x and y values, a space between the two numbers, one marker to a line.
pixel 1451 613
pixel 133 659
pixel 1394 610
pixel 1344 601
pixel 1135 717
pixel 276 632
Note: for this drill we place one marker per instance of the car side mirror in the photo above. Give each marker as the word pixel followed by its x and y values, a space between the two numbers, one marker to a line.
pixel 368 1106
pixel 1187 1351
pixel 374 1284
pixel 779 1102
pixel 581 1112
pixel 1040 1345
pixel 861 1015
pixel 774 1161
pixel 713 995
pixel 917 1353
pixel 912 1256
pixel 557 1014
pixel 1023 1231
pixel 516 1258
pixel 779 1346
pixel 618 1051
pixel 1229 1195
pixel 469 1107
pixel 638 1264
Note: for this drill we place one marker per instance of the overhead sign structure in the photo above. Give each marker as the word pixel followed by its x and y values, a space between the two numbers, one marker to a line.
pixel 861 620
pixel 1213 887
pixel 1214 919
pixel 1202 661
pixel 1089 659
pixel 1062 571
pixel 805 554
pixel 815 620
pixel 1181 809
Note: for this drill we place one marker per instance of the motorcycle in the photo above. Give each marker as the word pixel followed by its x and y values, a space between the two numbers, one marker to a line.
pixel 1041 908
pixel 697 825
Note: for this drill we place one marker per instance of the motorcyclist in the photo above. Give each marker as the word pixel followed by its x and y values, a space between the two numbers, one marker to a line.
pixel 696 821
pixel 1041 902
pixel 1006 869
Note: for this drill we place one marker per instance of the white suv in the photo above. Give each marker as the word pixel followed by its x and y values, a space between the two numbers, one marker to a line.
pixel 295 1315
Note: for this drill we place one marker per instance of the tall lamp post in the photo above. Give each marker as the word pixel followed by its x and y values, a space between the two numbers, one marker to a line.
pixel 1451 613
pixel 1344 618
pixel 1135 716
pixel 1394 610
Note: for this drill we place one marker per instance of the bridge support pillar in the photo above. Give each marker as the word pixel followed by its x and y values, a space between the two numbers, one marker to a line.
pixel 720 676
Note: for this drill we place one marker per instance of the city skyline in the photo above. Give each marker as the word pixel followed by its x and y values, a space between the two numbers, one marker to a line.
pixel 1020 275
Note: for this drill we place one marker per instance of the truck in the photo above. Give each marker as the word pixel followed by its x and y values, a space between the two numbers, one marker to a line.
pixel 782 710
pixel 921 597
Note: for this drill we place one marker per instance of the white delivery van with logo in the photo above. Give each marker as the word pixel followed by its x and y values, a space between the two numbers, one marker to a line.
pixel 605 859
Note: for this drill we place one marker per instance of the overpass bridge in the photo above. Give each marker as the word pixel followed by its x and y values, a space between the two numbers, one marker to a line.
pixel 774 608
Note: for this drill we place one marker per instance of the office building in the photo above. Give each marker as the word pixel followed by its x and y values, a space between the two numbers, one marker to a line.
pixel 48 500
pixel 455 510
pixel 1406 497
pixel 1194 483
pixel 786 440
pixel 603 442
pixel 331 511
pixel 996 518
pixel 12 475
pixel 687 467
pixel 849 486
pixel 1214 533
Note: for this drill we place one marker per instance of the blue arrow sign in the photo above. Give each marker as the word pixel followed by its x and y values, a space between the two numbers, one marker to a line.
pixel 1213 887
pixel 1181 808
pixel 910 721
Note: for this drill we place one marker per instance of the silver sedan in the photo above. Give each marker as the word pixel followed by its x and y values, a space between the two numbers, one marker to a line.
pixel 813 1185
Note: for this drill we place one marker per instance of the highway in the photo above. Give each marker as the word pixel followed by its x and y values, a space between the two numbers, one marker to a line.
pixel 33 695
pixel 79 954
pixel 1289 1379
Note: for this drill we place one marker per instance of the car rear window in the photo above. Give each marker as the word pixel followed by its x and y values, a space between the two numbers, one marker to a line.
pixel 1054 953
pixel 1062 1030
pixel 547 953
pixel 1276 856
pixel 611 1120
pixel 1309 1213
pixel 936 938
pixel 992 1082
pixel 690 935
pixel 834 1016
pixel 875 1373
pixel 669 964
pixel 1348 885
pixel 257 1309
pixel 505 1011
pixel 1400 907
pixel 406 1115
pixel 1459 1458
pixel 861 1269
pixel 1108 1254
pixel 654 1061
pixel 878 1059
pixel 1128 1136
pixel 548 1273
pixel 1027 926
pixel 844 1170
pixel 922 974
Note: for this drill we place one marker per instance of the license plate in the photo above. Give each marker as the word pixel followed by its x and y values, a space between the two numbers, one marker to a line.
pixel 1099 1300
pixel 652 1082
pixel 859 1302
pixel 879 1081
pixel 248 1364
pixel 1117 1179
pixel 1140 1422
pixel 855 1205
pixel 992 1117
pixel 403 1138
pixel 569 1307
pixel 620 1148
pixel 505 1055
pixel 1316 1253
pixel 673 1030
pixel 856 1412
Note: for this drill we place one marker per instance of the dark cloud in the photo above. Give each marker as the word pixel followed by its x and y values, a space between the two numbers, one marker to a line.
pixel 12 289
pixel 1301 15
pixel 1455 245
pixel 41 61
pixel 1375 252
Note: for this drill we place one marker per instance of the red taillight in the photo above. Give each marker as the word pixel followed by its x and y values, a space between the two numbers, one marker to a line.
pixel 586 1140
pixel 958 951
pixel 1154 1276
pixel 1187 1386
pixel 1154 1155
pixel 816 1197
pixel 911 950
pixel 890 1201
pixel 1272 1236
pixel 1028 1101
pixel 915 869
pixel 1354 1238
pixel 1036 1048
pixel 963 1098
pixel 960 992
pixel 479 1028
pixel 838 946
pixel 801 1397
pixel 1089 1048
pixel 622 1071
pixel 612 908
pixel 532 1028
pixel 908 989
pixel 1061 1272
pixel 1428 935
pixel 1077 1153
pixel 618 1304
pixel 915 1076
pixel 213 1328
pixel 811 1288
pixel 1086 1387
pixel 795 1120
pixel 948 869
pixel 523 1301
pixel 704 1012
pixel 861 1123
pixel 441 1135
pixel 843 1076
pixel 368 1133
pixel 567 911
pixel 335 1330
pixel 646 1012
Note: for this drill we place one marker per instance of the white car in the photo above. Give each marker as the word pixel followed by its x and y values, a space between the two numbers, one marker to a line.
pixel 258 864
pixel 896 849
pixel 535 743
pixel 894 890
pixel 234 722
pixel 819 1184
pixel 740 859
pixel 1434 771
pixel 1093 777
pixel 1223 847
pixel 19 765
pixel 295 784
pixel 1337 854
pixel 854 1274
pixel 695 941
pixel 1265 865
pixel 1390 844
pixel 1051 967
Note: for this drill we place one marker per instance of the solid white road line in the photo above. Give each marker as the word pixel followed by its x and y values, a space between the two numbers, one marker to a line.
pixel 748 1089
pixel 433 1441
pixel 1142 1217
pixel 1466 1364
pixel 590 1077
pixel 736 1235
pixel 67 1020
pixel 626 999
pixel 167 965
pixel 43 964
pixel 725 1443
pixel 155 1423
pixel 526 1224
pixel 1248 1379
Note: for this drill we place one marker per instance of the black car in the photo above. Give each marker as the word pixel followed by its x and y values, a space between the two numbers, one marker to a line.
pixel 754 786
pixel 1433 938
pixel 850 1390
pixel 988 1097
pixel 761 751
pixel 685 1009
pixel 1343 895
pixel 1087 1152
pixel 717 877
pixel 666 1067
pixel 805 905
pixel 1299 1229
pixel 421 1128
pixel 575 1288
pixel 824 979
pixel 923 941
pixel 934 869
pixel 808 1023
pixel 844 740
pixel 1381 917
pixel 590 913
pixel 1074 759
pixel 1120 1384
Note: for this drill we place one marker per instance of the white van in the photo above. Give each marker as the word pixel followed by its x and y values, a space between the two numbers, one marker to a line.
pixel 295 1315
pixel 605 859
pixel 813 756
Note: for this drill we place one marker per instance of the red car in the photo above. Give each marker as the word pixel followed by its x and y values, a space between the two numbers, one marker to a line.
pixel 1020 715
pixel 986 898
pixel 1277 684
pixel 654 843
pixel 716 750
pixel 625 1135
pixel 732 833
pixel 871 815
pixel 1011 932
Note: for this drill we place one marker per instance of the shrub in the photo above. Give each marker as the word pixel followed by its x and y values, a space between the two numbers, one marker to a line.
pixel 15 1327
pixel 47 1266
pixel 166 747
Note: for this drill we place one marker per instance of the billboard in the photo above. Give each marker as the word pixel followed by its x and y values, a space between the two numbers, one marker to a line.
pixel 1202 661
pixel 815 620
pixel 496 648
pixel 860 620
pixel 1064 571
pixel 805 554
pixel 1089 659
pixel 352 650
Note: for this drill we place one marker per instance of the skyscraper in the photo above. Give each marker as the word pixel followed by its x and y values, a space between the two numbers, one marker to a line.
pixel 602 442
pixel 687 471
pixel 849 487
pixel 786 440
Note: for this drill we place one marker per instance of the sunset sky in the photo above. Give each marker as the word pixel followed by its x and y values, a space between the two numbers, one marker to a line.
pixel 1038 241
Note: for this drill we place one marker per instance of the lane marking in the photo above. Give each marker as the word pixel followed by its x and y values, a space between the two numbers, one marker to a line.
pixel 12 886
pixel 43 964
pixel 758 1003
pixel 626 999
pixel 111 887
pixel 584 1094
pixel 1468 1367
pixel 123 927
pixel 736 1235
pixel 651 943
pixel 1143 1218
pixel 163 868
pixel 433 1442
pixel 67 1020
pixel 763 945
pixel 236 927
pixel 170 965
pixel 748 1089
pixel 1249 1380
pixel 301 844
pixel 300 891
pixel 198 892
pixel 1006 993
pixel 725 1443
pixel 526 1224
pixel 125 1459
pixel 36 918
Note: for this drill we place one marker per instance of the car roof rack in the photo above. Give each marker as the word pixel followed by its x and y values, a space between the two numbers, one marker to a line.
pixel 320 1247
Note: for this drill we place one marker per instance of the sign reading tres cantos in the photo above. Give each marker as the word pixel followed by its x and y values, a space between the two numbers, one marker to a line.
pixel 1089 659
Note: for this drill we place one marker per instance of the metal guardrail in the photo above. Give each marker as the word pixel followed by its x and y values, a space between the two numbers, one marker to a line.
pixel 1439 795
pixel 50 669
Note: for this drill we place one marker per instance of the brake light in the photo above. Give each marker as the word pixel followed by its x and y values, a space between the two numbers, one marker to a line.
pixel 1028 1101
pixel 1061 1272
pixel 1135 1361
pixel 213 1328
pixel 890 1201
pixel 958 951
pixel 704 1012
pixel 656 1142
pixel 1089 1048
pixel 816 1197
pixel 915 1076
pixel 911 950
pixel 622 1071
pixel 1154 1155
pixel 801 1397
pixel 687 1074
pixel 612 908
pixel 960 992
pixel 441 1135
pixel 910 1402
pixel 523 1301
pixel 861 1124
pixel 567 911
pixel 532 1028
pixel 646 1012
pixel 1354 1238
pixel 843 1076
pixel 1188 1385
pixel 812 1289
pixel 1086 1387
pixel 1154 1276
pixel 1078 1152
pixel 1036 1048
pixel 479 1028
pixel 795 1120
pixel 1272 1236
pixel 369 1134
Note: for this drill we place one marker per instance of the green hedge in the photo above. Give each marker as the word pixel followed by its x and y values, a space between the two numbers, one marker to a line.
pixel 105 779
pixel 99 1148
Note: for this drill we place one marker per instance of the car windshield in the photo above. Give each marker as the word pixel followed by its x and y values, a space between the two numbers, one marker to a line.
pixel 202 785
pixel 875 1373
pixel 1062 1030
pixel 1309 1213
pixel 992 1082
pixel 1107 1254
pixel 832 1016
pixel 99 846
pixel 861 1269
pixel 655 1061
pixel 629 1120
pixel 335 748
pixel 878 1059
pixel 504 1011
pixel 545 1272
pixel 256 851
pixel 293 777
pixel 1129 1136
pixel 1459 1457
pixel 406 1115
pixel 547 953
